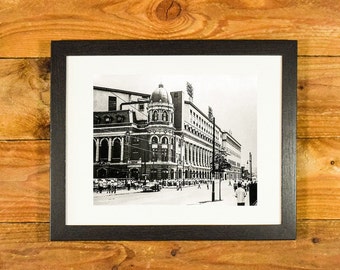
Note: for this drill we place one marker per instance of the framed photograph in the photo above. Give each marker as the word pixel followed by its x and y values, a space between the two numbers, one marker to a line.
pixel 173 140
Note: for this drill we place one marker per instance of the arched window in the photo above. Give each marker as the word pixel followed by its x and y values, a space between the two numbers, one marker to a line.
pixel 154 140
pixel 104 150
pixel 116 150
pixel 165 116
pixel 165 140
pixel 154 148
pixel 164 151
pixel 94 150
pixel 155 116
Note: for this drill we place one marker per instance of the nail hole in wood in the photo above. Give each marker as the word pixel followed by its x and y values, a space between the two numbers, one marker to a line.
pixel 174 252
pixel 316 240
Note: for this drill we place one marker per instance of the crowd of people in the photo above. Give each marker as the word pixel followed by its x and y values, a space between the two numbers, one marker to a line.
pixel 242 187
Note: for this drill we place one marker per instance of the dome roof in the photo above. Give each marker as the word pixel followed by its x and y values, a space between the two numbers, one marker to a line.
pixel 161 95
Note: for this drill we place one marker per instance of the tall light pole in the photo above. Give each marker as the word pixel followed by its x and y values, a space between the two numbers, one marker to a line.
pixel 250 165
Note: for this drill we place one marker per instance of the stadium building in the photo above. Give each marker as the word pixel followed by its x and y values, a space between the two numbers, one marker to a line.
pixel 162 136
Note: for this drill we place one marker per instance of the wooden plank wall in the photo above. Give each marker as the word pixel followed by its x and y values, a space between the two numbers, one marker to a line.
pixel 26 29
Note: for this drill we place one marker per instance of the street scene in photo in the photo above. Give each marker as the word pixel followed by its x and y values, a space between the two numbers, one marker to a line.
pixel 171 195
pixel 175 140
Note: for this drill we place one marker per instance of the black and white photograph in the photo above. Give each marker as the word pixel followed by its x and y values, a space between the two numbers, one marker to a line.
pixel 165 140
pixel 180 140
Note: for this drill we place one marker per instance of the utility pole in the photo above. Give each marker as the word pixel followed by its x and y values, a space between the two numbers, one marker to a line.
pixel 144 165
pixel 213 164
pixel 250 166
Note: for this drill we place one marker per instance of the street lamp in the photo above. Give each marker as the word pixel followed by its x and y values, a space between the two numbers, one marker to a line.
pixel 213 164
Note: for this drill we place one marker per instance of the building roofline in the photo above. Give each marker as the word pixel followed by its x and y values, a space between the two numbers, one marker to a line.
pixel 193 105
pixel 143 95
pixel 232 137
pixel 132 102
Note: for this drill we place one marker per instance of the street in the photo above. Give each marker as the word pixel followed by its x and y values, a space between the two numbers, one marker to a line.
pixel 189 195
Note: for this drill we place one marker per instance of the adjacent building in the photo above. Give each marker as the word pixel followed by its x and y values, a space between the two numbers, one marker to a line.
pixel 159 136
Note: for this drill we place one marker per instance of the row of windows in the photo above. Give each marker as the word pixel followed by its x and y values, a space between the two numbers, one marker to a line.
pixel 200 134
pixel 160 116
pixel 197 155
pixel 164 140
pixel 192 153
pixel 235 154
pixel 107 119
pixel 202 124
pixel 231 142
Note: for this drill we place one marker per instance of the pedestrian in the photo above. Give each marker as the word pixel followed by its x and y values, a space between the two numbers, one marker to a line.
pixel 108 188
pixel 129 184
pixel 115 187
pixel 240 195
pixel 100 186
pixel 207 184
pixel 235 185
pixel 253 193
pixel 199 184
pixel 179 185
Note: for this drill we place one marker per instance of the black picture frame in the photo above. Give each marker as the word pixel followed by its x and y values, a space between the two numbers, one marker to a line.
pixel 60 50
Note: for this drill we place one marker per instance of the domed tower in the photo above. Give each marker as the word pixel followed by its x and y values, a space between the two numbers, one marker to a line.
pixel 160 110
pixel 161 134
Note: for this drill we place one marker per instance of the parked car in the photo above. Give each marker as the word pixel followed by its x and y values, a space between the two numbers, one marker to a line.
pixel 151 186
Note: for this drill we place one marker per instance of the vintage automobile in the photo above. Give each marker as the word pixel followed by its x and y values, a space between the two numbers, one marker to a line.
pixel 151 186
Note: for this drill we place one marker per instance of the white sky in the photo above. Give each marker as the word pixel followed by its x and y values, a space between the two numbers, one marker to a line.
pixel 232 98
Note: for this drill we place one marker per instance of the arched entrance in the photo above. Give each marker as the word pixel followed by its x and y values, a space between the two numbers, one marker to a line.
pixel 172 174
pixel 153 174
pixel 134 173
pixel 164 174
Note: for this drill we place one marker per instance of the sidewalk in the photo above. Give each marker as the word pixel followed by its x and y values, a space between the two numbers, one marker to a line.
pixel 227 195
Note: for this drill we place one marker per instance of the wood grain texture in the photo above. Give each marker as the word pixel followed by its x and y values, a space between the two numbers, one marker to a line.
pixel 318 113
pixel 26 29
pixel 318 174
pixel 24 180
pixel 24 99
pixel 25 83
pixel 314 23
pixel 26 246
